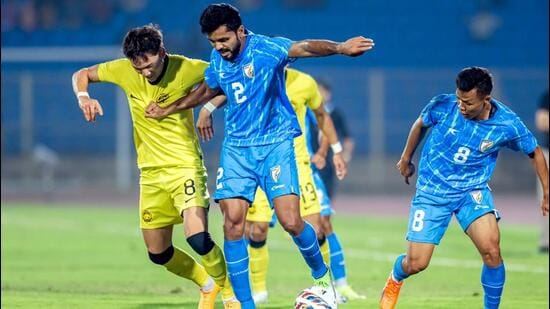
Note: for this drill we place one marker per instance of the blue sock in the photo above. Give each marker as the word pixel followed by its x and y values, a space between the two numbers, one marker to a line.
pixel 492 280
pixel 337 263
pixel 398 273
pixel 236 257
pixel 309 247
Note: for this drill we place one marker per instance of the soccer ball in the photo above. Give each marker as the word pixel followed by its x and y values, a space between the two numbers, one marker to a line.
pixel 308 299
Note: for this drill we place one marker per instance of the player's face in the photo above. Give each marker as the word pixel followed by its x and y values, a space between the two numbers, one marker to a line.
pixel 228 43
pixel 471 105
pixel 150 66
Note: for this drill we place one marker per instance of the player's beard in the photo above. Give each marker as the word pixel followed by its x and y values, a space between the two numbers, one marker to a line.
pixel 234 51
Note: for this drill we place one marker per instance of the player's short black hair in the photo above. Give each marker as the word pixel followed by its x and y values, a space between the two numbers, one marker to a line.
pixel 475 77
pixel 219 14
pixel 142 40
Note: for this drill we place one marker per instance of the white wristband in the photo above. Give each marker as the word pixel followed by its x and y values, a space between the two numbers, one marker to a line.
pixel 209 107
pixel 336 148
pixel 82 94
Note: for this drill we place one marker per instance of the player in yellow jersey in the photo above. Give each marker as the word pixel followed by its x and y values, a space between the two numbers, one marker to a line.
pixel 172 174
pixel 303 93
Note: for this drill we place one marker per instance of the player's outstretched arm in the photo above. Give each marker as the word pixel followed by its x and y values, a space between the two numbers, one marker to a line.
pixel 539 164
pixel 326 126
pixel 80 80
pixel 416 134
pixel 198 96
pixel 320 48
pixel 204 119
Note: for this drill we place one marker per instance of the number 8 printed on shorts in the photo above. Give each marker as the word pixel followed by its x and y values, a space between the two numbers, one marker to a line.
pixel 418 223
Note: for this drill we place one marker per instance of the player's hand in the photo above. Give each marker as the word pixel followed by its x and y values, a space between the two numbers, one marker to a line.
pixel 154 111
pixel 204 125
pixel 90 108
pixel 319 160
pixel 406 169
pixel 544 205
pixel 340 165
pixel 356 46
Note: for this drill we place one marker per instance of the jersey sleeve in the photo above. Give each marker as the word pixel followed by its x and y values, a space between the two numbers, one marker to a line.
pixel 210 78
pixel 521 138
pixel 278 48
pixel 113 71
pixel 314 95
pixel 434 110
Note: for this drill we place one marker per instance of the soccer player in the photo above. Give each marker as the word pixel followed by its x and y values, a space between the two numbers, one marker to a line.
pixel 336 251
pixel 260 126
pixel 172 173
pixel 458 159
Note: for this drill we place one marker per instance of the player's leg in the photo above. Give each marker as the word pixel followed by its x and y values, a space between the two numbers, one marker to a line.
pixel 429 218
pixel 478 218
pixel 257 225
pixel 236 184
pixel 235 248
pixel 337 261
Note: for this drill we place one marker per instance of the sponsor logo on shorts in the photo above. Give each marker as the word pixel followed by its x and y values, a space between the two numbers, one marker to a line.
pixel 146 216
pixel 276 172
pixel 277 187
pixel 478 207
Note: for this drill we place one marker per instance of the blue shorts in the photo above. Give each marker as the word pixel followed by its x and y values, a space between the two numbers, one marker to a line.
pixel 430 215
pixel 326 209
pixel 243 169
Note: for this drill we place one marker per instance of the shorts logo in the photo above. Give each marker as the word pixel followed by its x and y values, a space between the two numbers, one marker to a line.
pixel 249 70
pixel 485 145
pixel 146 216
pixel 476 196
pixel 275 173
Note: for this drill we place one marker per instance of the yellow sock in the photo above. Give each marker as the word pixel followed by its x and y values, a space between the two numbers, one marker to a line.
pixel 214 263
pixel 325 252
pixel 259 261
pixel 183 265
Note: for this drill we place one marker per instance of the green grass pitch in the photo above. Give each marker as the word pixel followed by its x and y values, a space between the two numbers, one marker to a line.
pixel 65 256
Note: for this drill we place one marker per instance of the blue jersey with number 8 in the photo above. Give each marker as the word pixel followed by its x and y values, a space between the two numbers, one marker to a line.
pixel 258 111
pixel 460 154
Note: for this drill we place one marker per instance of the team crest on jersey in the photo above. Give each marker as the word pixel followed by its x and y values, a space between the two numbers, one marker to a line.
pixel 249 70
pixel 276 172
pixel 485 145
pixel 477 196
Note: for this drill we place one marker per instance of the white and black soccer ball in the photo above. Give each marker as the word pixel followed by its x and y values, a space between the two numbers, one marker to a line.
pixel 308 299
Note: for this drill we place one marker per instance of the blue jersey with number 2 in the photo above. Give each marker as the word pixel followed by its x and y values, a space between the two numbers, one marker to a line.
pixel 258 111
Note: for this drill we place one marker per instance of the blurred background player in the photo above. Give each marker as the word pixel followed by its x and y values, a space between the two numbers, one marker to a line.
pixel 340 123
pixel 173 177
pixel 541 121
pixel 260 126
pixel 458 159
pixel 336 250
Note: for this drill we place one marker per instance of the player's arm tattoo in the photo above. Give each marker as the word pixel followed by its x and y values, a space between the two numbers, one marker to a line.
pixel 313 48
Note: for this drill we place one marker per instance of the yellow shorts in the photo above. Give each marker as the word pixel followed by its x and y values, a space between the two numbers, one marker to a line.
pixel 260 210
pixel 166 192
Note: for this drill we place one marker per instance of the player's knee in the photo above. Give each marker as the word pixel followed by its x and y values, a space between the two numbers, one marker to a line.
pixel 258 232
pixel 233 230
pixel 294 226
pixel 201 242
pixel 414 266
pixel 163 257
pixel 491 256
pixel 257 244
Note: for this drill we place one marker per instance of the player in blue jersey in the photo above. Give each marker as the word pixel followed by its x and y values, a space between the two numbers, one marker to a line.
pixel 337 262
pixel 260 126
pixel 467 131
